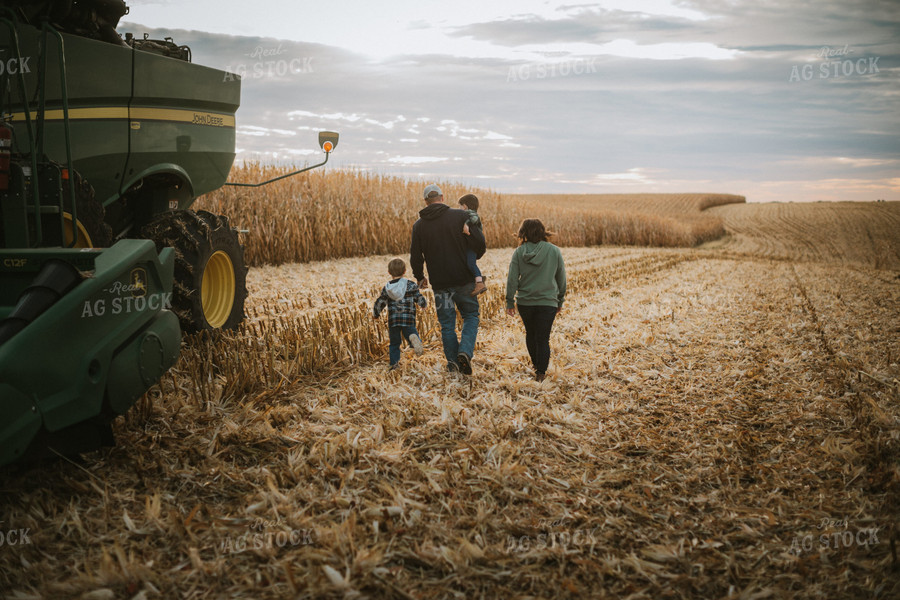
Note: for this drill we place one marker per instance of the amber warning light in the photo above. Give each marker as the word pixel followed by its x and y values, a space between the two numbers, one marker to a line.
pixel 328 140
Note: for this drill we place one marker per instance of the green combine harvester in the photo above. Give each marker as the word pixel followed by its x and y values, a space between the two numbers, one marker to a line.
pixel 104 145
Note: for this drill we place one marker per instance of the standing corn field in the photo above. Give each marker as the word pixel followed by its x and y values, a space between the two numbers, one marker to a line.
pixel 338 214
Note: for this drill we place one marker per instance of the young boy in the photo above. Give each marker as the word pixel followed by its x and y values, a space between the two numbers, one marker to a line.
pixel 469 203
pixel 400 296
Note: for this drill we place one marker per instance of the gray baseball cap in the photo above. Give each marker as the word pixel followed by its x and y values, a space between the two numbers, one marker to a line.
pixel 432 191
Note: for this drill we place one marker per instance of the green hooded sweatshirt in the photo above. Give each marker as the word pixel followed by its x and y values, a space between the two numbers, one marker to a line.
pixel 537 276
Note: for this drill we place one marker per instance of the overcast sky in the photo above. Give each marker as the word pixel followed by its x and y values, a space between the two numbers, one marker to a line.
pixel 777 101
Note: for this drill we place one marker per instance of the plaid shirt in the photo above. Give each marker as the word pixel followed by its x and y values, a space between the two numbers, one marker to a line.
pixel 474 219
pixel 401 313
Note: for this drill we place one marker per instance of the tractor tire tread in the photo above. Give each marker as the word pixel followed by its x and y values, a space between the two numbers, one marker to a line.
pixel 195 236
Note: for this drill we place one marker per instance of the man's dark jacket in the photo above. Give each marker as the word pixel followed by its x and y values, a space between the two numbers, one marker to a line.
pixel 438 239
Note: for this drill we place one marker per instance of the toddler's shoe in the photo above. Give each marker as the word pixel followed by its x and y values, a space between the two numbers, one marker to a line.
pixel 416 342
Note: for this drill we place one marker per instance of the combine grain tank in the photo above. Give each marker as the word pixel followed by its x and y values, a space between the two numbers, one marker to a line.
pixel 104 145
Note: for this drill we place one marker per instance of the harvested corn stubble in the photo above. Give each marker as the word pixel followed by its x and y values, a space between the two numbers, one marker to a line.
pixel 713 424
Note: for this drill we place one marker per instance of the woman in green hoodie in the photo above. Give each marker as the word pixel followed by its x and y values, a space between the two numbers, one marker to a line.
pixel 536 285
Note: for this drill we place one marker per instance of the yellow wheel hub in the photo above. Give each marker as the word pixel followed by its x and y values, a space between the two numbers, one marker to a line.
pixel 217 289
pixel 84 240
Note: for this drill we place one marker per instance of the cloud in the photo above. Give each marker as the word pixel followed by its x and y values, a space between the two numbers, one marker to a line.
pixel 416 160
pixel 263 131
pixel 678 96
pixel 841 161
pixel 635 175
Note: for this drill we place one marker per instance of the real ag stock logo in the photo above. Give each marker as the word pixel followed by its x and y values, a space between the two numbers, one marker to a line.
pixel 836 534
pixel 261 537
pixel 840 66
pixel 269 62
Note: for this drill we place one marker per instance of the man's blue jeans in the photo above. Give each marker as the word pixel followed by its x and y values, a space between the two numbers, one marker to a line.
pixel 447 301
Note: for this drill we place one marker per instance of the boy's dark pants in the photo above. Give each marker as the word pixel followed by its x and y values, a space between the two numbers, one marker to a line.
pixel 472 263
pixel 395 335
pixel 538 322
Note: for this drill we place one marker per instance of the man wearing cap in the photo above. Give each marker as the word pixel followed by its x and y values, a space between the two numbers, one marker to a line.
pixel 439 242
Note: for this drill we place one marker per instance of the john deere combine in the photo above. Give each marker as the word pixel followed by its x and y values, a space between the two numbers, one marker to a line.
pixel 104 144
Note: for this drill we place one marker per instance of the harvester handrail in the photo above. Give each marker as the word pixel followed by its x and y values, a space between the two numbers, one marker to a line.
pixel 14 37
pixel 63 85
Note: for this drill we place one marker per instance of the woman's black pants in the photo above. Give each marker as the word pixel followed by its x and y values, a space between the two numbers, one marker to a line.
pixel 538 322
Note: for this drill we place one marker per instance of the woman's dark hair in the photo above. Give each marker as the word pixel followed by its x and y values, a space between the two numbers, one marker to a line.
pixel 532 230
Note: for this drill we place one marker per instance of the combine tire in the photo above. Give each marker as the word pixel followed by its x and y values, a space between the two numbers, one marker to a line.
pixel 93 231
pixel 210 274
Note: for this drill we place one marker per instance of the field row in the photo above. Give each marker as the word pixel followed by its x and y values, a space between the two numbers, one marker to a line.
pixel 291 289
pixel 287 337
pixel 832 232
